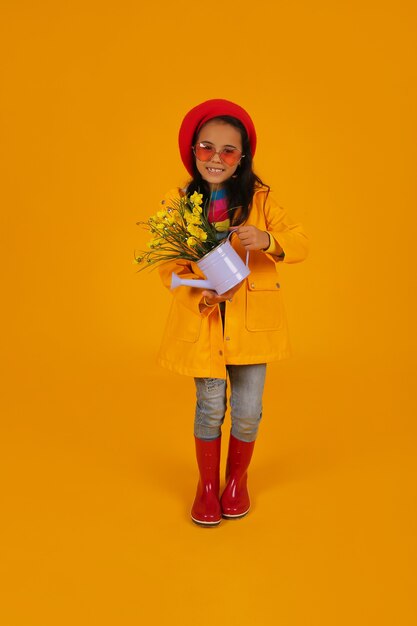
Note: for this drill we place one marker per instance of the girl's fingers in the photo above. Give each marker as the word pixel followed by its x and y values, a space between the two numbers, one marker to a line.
pixel 211 297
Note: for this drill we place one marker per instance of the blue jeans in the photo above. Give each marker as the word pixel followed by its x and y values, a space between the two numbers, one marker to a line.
pixel 247 385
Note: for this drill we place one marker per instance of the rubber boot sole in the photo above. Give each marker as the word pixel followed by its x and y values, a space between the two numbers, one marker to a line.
pixel 226 516
pixel 205 524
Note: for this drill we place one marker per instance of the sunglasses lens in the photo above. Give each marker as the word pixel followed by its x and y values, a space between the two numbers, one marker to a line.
pixel 204 152
pixel 230 156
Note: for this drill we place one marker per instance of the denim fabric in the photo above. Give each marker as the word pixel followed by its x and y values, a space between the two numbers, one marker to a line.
pixel 246 386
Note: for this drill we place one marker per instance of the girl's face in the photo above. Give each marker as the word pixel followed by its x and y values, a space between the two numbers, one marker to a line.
pixel 221 136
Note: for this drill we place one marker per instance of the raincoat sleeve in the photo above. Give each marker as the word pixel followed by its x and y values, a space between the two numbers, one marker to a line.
pixel 282 230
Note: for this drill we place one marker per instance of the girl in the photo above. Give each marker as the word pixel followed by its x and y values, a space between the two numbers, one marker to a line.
pixel 214 338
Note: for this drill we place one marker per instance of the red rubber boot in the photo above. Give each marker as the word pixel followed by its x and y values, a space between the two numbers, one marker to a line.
pixel 206 509
pixel 235 500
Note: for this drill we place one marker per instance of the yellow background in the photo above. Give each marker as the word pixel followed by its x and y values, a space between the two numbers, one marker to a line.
pixel 98 470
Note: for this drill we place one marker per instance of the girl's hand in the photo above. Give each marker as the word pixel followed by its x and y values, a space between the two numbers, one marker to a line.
pixel 212 298
pixel 252 238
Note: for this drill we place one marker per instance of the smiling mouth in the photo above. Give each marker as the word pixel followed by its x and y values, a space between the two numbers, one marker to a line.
pixel 215 170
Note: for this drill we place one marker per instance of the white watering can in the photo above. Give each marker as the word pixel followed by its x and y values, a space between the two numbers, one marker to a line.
pixel 222 267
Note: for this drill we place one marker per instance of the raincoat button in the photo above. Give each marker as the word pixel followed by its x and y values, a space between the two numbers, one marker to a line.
pixel 227 338
pixel 221 352
pixel 252 285
pixel 278 285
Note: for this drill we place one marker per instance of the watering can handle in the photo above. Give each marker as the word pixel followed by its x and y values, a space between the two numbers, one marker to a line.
pixel 232 230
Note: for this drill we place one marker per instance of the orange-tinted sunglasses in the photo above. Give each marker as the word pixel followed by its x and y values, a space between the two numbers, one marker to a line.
pixel 205 151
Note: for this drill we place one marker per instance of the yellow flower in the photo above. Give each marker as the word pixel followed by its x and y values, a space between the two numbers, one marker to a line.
pixel 191 241
pixel 191 218
pixel 197 232
pixel 161 214
pixel 154 243
pixel 222 227
pixel 196 198
pixel 197 210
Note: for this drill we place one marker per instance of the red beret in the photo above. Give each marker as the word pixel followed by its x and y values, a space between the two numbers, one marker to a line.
pixel 201 114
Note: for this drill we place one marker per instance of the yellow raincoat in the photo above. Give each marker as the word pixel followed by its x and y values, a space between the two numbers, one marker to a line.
pixel 255 323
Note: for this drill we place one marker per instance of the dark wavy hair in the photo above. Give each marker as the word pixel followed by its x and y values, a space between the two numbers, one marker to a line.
pixel 241 186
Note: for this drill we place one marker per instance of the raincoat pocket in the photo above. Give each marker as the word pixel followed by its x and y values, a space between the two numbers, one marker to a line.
pixel 184 324
pixel 264 309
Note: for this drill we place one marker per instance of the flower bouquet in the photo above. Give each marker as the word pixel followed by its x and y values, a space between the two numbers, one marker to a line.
pixel 181 230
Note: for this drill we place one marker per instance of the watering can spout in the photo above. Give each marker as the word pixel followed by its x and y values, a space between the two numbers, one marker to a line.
pixel 176 281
